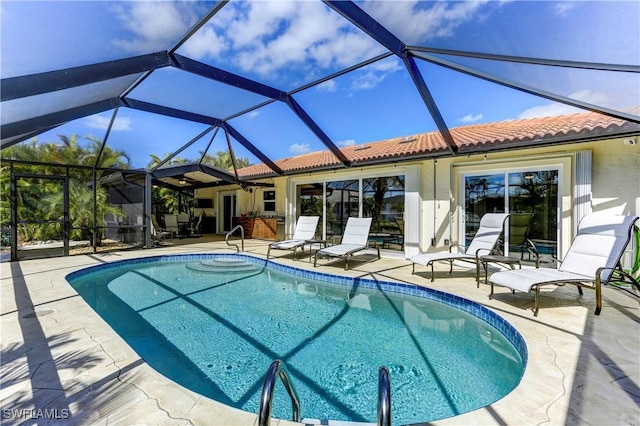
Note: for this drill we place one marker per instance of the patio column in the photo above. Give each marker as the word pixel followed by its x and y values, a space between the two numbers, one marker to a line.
pixel 147 210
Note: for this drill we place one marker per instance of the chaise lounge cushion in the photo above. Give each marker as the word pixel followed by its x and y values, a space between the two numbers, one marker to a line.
pixel 484 242
pixel 305 230
pixel 592 258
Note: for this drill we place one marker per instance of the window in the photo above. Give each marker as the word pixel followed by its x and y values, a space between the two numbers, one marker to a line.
pixel 529 191
pixel 383 201
pixel 342 202
pixel 269 201
pixel 381 198
pixel 204 203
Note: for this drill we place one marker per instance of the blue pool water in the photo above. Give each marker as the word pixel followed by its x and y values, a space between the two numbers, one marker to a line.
pixel 215 323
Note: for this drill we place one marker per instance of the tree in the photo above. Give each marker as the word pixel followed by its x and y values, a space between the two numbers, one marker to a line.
pixel 222 160
pixel 80 209
pixel 165 200
pixel 41 199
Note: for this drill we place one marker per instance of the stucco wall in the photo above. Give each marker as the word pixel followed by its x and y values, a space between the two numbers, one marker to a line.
pixel 616 177
pixel 435 203
pixel 615 184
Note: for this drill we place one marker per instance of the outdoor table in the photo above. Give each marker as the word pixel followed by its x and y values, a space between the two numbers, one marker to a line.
pixel 321 243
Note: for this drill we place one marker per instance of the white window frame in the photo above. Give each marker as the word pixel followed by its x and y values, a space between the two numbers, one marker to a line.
pixel 411 202
pixel 264 201
pixel 563 167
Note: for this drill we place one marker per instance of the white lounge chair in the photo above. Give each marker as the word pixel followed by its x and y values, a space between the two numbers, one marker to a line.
pixel 591 260
pixel 305 230
pixel 483 243
pixel 354 239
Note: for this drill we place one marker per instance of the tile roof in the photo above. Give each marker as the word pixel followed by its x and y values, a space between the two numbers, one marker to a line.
pixel 468 139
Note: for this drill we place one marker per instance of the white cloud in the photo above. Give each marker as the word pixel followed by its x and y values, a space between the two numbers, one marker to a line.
pixel 548 110
pixel 299 148
pixel 374 74
pixel 391 64
pixel 206 44
pixel 471 118
pixel 414 23
pixel 346 142
pixel 367 80
pixel 102 122
pixel 562 8
pixel 327 86
pixel 270 37
pixel 556 108
pixel 154 25
pixel 250 21
pixel 273 39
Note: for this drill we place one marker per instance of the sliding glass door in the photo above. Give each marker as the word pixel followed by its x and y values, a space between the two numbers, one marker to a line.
pixel 342 202
pixel 383 201
pixel 380 198
pixel 528 191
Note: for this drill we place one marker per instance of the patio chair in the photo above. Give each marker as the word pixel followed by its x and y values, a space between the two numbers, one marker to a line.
pixel 398 238
pixel 171 223
pixel 184 224
pixel 157 234
pixel 591 260
pixel 305 230
pixel 196 228
pixel 519 228
pixel 483 243
pixel 354 239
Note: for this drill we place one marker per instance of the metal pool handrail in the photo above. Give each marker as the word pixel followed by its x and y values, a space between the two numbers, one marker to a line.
pixel 226 237
pixel 276 369
pixel 384 397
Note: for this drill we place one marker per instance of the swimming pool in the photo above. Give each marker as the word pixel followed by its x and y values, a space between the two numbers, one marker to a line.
pixel 214 324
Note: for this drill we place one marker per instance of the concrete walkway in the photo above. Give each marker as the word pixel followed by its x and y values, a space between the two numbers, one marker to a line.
pixel 62 364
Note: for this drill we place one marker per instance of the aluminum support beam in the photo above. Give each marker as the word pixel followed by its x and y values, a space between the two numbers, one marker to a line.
pixel 427 98
pixel 530 89
pixel 35 84
pixel 528 60
pixel 378 32
pixel 46 122
pixel 306 119
pixel 171 112
pixel 226 77
pixel 240 82
pixel 255 151
pixel 366 23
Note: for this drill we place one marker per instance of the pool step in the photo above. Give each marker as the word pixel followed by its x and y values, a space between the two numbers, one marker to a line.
pixel 228 266
pixel 225 261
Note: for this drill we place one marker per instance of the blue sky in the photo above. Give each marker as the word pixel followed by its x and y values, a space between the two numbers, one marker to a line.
pixel 289 44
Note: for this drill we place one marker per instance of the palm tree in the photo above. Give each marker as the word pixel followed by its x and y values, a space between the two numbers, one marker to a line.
pixel 32 193
pixel 165 199
pixel 81 209
pixel 222 160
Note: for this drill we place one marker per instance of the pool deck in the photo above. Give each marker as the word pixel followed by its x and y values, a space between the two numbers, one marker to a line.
pixel 61 363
